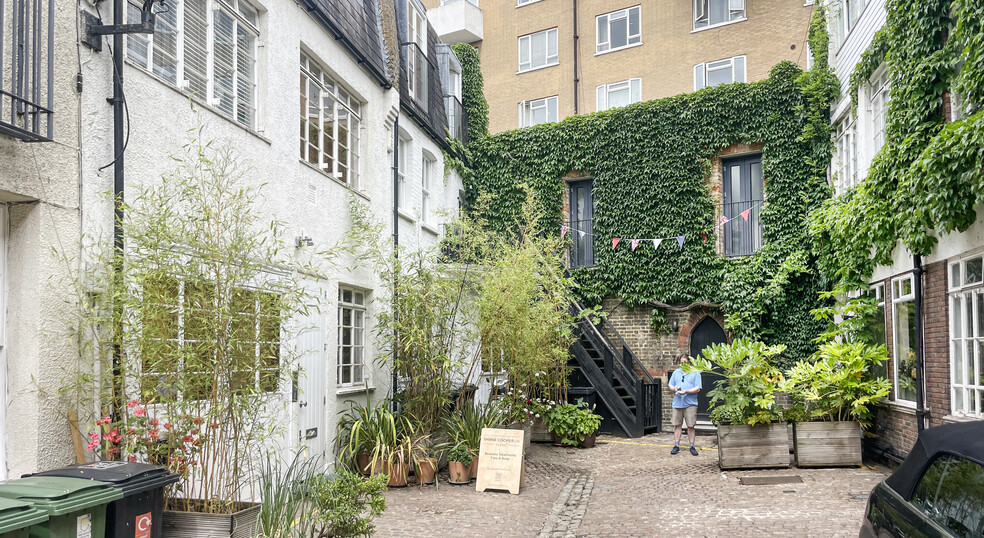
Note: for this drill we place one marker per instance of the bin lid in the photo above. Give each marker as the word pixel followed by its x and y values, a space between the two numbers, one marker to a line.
pixel 131 477
pixel 16 515
pixel 57 495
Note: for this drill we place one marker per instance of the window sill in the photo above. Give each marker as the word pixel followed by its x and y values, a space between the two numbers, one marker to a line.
pixel 406 216
pixel 429 228
pixel 538 68
pixel 335 180
pixel 903 406
pixel 718 25
pixel 961 418
pixel 198 102
pixel 609 51
pixel 345 391
pixel 527 3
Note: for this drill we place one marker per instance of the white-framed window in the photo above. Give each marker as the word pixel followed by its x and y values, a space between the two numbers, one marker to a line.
pixel 428 168
pixel 966 285
pixel 847 13
pixel 524 2
pixel 207 47
pixel 403 160
pixel 904 339
pixel 417 51
pixel 717 72
pixel 254 335
pixel 618 94
pixel 618 29
pixel 538 50
pixel 708 13
pixel 846 145
pixel 330 124
pixel 538 111
pixel 454 82
pixel 878 97
pixel 876 324
pixel 351 336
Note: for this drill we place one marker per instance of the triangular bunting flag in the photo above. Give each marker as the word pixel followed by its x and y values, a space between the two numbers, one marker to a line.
pixel 704 236
pixel 582 233
pixel 635 243
pixel 679 239
pixel 615 241
pixel 744 214
pixel 656 243
pixel 563 231
pixel 723 219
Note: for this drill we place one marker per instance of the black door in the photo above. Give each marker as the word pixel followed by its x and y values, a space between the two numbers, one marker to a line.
pixel 706 332
pixel 742 205
pixel 582 228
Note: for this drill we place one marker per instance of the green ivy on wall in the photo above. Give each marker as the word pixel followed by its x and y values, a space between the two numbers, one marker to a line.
pixel 928 179
pixel 472 95
pixel 650 164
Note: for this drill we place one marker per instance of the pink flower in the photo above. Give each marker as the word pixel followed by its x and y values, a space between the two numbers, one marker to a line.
pixel 139 412
pixel 132 403
pixel 93 436
pixel 93 445
pixel 132 458
pixel 167 425
pixel 153 434
pixel 152 422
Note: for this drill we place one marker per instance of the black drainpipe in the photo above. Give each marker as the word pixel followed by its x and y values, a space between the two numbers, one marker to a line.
pixel 396 240
pixel 917 289
pixel 576 37
pixel 117 101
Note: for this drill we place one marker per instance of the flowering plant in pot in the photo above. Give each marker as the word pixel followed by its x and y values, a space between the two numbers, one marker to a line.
pixel 459 464
pixel 573 424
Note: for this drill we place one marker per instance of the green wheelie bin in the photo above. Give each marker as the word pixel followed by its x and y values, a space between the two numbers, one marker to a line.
pixel 76 508
pixel 138 514
pixel 16 518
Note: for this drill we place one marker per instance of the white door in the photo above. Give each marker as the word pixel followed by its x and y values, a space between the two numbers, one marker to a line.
pixel 310 386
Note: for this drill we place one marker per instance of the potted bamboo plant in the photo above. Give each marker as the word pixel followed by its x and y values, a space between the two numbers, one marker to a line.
pixel 835 392
pixel 743 405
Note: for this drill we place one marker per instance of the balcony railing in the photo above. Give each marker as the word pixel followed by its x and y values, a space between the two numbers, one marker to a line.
pixel 27 68
pixel 416 67
pixel 742 236
pixel 457 119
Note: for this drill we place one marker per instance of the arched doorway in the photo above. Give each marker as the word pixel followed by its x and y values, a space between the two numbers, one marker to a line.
pixel 706 332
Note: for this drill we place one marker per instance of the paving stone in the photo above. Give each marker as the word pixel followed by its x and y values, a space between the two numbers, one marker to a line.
pixel 635 488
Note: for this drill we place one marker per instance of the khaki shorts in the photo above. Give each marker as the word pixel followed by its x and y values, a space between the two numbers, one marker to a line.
pixel 689 414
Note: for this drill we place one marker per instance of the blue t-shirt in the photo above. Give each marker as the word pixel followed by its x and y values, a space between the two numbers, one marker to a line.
pixel 684 382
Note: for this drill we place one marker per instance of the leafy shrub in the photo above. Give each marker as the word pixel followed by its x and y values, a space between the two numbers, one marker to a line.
pixel 346 504
pixel 572 423
pixel 460 454
pixel 747 393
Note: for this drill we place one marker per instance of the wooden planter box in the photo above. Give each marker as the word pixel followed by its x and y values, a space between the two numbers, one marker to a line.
pixel 827 444
pixel 241 524
pixel 753 447
pixel 539 432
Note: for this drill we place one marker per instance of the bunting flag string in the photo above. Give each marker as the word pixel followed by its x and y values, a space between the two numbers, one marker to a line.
pixel 680 239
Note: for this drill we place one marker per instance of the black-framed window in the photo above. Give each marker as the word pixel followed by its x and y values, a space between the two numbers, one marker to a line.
pixel 742 207
pixel 582 228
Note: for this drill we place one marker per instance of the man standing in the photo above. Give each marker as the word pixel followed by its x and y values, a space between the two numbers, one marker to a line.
pixel 685 388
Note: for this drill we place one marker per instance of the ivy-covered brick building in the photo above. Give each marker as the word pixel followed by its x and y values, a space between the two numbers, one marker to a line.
pixel 906 221
pixel 687 216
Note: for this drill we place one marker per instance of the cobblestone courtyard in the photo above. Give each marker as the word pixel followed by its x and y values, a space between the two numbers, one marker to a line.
pixel 634 487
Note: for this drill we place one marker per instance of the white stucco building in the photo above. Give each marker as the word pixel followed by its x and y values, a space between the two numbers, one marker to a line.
pixel 306 95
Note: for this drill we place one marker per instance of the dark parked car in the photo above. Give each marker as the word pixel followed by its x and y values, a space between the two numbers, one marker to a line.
pixel 937 491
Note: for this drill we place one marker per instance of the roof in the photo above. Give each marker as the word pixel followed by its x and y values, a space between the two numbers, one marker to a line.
pixel 963 439
pixel 356 24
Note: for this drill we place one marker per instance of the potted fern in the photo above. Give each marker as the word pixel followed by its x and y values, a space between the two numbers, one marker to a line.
pixel 743 405
pixel 835 392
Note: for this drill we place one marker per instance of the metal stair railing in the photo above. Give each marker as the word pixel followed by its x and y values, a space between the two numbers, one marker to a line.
pixel 646 391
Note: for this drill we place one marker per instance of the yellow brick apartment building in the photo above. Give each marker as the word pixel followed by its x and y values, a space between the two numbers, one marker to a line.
pixel 544 60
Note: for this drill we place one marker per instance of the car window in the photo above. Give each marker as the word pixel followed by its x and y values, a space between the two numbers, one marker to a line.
pixel 951 493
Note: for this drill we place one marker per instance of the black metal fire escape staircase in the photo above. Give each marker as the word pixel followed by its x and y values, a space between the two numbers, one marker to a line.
pixel 627 397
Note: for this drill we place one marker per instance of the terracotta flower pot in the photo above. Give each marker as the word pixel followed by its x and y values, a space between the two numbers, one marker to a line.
pixel 426 470
pixel 458 473
pixel 589 441
pixel 364 463
pixel 397 474
pixel 473 468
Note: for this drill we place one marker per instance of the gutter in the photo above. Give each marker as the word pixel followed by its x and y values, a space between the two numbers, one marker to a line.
pixel 920 362
pixel 396 243
pixel 576 38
